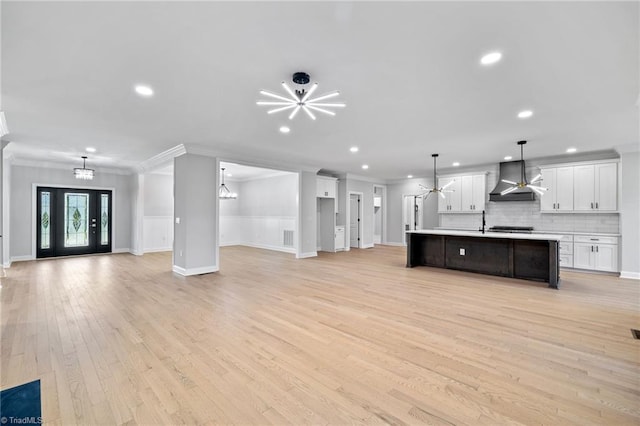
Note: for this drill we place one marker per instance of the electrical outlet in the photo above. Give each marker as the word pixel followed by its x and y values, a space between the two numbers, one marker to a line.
pixel 180 253
pixel 462 252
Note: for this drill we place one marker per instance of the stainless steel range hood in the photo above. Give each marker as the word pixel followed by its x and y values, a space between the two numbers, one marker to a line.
pixel 511 170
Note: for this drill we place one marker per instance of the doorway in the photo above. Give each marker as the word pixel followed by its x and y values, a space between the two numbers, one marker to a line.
pixel 73 221
pixel 355 220
pixel 412 207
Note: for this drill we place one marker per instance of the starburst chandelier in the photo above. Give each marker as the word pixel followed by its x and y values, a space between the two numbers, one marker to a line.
pixel 300 99
pixel 523 179
pixel 435 189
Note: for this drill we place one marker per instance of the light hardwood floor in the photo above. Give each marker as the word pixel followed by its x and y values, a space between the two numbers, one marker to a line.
pixel 345 338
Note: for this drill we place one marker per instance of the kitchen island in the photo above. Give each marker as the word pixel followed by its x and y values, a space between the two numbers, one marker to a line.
pixel 516 255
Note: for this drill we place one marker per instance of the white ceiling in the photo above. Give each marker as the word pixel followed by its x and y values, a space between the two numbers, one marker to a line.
pixel 408 72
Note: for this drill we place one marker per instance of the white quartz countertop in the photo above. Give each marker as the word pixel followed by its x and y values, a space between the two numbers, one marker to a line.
pixel 503 235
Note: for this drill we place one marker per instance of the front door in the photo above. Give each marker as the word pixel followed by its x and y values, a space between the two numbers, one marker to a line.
pixel 72 221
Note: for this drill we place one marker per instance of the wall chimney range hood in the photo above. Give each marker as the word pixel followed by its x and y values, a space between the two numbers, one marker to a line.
pixel 513 184
pixel 510 170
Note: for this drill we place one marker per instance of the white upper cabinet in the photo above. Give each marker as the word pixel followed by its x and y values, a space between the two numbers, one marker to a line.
pixel 326 187
pixel 469 194
pixel 452 199
pixel 596 187
pixel 559 181
pixel 580 188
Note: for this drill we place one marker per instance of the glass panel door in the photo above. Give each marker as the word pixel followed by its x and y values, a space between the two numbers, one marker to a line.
pixel 73 221
pixel 76 223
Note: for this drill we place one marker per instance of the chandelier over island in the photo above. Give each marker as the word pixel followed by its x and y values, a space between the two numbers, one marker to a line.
pixel 435 189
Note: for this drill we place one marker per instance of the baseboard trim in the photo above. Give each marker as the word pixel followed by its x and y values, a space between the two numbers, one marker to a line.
pixel 268 247
pixel 388 243
pixel 159 249
pixel 194 271
pixel 21 258
pixel 7 264
pixel 233 243
pixel 366 246
pixel 630 275
pixel 122 250
pixel 307 255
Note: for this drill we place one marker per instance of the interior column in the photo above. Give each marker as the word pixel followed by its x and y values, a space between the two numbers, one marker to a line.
pixel 195 187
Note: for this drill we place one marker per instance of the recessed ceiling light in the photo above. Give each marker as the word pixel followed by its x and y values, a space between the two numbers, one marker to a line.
pixel 365 166
pixel 143 90
pixel 571 150
pixel 90 149
pixel 508 157
pixel 409 176
pixel 354 149
pixel 284 129
pixel 491 58
pixel 456 164
pixel 525 114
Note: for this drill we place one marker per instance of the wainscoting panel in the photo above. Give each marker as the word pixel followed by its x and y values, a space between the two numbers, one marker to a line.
pixel 268 232
pixel 158 233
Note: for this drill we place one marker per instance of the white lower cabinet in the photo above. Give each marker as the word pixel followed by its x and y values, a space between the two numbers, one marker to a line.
pixel 595 253
pixel 339 238
pixel 566 251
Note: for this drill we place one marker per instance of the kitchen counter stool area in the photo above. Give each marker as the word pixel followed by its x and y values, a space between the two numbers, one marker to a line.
pixel 525 256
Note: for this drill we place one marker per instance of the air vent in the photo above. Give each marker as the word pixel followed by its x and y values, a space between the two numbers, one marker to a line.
pixel 635 333
pixel 287 238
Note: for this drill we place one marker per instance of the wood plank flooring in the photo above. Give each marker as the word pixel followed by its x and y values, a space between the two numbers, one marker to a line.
pixel 345 338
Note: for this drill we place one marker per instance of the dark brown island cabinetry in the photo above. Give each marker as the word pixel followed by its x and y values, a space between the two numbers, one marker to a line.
pixel 524 256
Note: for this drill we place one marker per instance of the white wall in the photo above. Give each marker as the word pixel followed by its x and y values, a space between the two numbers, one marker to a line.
pixel 158 213
pixel 22 208
pixel 630 215
pixel 264 209
pixel 395 193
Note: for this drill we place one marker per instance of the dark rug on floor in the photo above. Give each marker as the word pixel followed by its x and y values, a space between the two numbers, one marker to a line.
pixel 21 405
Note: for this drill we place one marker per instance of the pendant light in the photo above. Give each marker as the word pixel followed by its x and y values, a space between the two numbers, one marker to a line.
pixel 224 193
pixel 523 179
pixel 83 172
pixel 435 189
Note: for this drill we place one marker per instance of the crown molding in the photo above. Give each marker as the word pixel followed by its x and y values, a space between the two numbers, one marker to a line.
pixel 366 179
pixel 63 166
pixel 160 160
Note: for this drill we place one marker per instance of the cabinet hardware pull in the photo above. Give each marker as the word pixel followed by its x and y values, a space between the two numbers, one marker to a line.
pixel 591 205
pixel 558 206
pixel 596 205
pixel 591 248
pixel 596 249
pixel 554 206
pixel 594 239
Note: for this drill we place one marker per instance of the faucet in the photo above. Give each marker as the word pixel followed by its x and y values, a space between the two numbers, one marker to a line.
pixel 484 223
